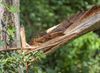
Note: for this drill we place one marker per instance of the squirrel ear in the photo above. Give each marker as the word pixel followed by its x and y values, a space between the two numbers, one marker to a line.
pixel 97 32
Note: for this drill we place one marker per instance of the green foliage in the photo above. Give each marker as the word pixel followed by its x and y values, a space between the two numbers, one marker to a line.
pixel 10 8
pixel 79 56
pixel 13 9
pixel 11 33
pixel 42 14
pixel 1 43
pixel 13 62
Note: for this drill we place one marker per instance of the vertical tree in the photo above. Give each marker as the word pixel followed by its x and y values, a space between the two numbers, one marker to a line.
pixel 9 23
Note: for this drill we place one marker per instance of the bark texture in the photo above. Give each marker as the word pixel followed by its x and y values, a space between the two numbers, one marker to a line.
pixel 10 20
pixel 68 30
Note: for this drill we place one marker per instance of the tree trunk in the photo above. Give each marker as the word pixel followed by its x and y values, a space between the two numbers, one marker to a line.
pixel 9 24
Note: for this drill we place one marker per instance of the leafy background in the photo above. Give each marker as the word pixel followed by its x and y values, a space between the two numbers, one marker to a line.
pixel 79 56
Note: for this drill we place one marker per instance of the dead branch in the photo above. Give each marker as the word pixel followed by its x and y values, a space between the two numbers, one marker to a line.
pixel 64 32
pixel 78 25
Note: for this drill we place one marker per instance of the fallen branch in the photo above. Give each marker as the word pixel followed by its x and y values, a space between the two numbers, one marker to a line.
pixel 62 33
pixel 66 31
pixel 78 25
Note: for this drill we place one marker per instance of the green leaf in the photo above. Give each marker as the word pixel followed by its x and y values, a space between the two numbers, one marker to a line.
pixel 13 9
pixel 1 43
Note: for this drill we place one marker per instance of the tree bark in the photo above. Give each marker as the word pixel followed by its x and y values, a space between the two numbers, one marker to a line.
pixel 66 31
pixel 9 20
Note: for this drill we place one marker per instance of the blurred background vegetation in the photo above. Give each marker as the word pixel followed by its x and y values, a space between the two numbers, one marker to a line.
pixel 79 56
